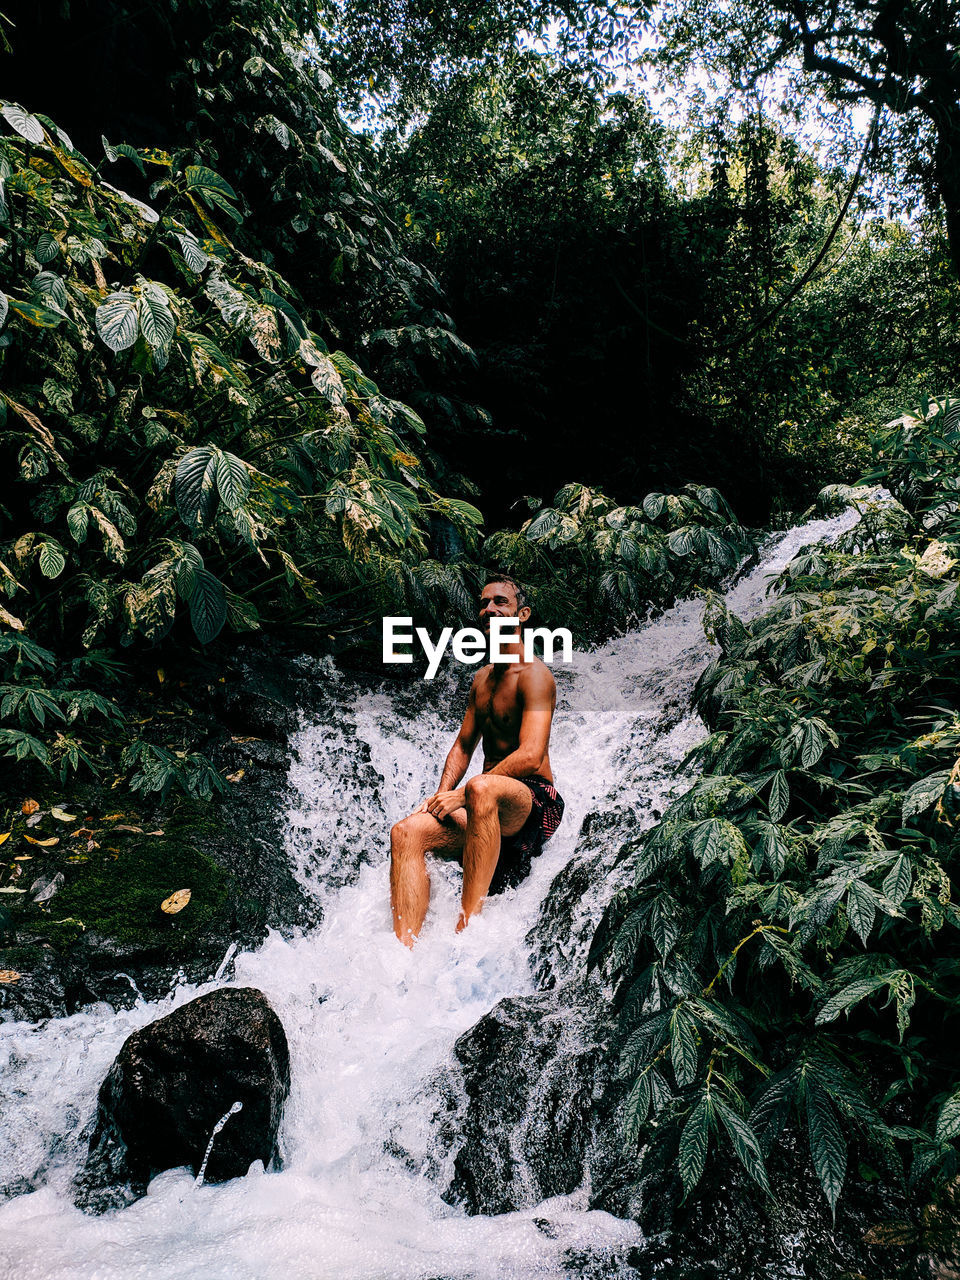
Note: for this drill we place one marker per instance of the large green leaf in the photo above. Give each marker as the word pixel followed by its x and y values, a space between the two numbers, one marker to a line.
pixel 188 561
pixel 847 997
pixel 636 1108
pixel 27 125
pixel 898 880
pixel 773 847
pixel 779 800
pixel 156 319
pixel 152 606
pixel 78 520
pixel 117 321
pixel 208 606
pixel 200 178
pixel 289 312
pixel 40 317
pixel 717 840
pixel 145 211
pixel 861 908
pixel 828 1149
pixel 51 287
pixel 925 793
pixel 948 1121
pixel 194 485
pixel 745 1143
pixel 233 480
pixel 193 255
pixel 542 524
pixel 694 1143
pixel 683 1047
pixel 51 559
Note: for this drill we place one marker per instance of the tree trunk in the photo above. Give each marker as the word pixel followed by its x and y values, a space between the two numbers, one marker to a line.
pixel 946 170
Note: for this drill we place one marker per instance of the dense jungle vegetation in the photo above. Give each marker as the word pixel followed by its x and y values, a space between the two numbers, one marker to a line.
pixel 310 313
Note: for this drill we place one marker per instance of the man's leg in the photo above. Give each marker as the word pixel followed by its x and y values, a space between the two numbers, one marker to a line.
pixel 410 840
pixel 496 806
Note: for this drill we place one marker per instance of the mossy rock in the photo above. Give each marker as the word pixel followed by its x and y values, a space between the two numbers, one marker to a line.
pixel 21 959
pixel 116 895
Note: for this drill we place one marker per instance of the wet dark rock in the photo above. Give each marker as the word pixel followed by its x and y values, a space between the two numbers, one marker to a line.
pixel 560 940
pixel 526 1072
pixel 45 988
pixel 173 1081
pixel 259 695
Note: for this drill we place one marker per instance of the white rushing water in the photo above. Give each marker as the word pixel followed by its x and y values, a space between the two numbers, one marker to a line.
pixel 369 1024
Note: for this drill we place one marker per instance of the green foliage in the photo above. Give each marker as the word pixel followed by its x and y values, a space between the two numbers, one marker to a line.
pixel 806 976
pixel 586 549
pixel 180 440
pixel 898 58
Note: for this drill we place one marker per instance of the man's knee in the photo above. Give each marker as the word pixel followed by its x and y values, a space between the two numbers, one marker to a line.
pixel 409 834
pixel 480 793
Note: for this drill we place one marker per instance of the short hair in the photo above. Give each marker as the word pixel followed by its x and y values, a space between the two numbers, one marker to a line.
pixel 506 577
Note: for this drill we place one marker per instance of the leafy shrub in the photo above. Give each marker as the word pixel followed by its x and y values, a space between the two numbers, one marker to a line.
pixel 781 960
pixel 179 435
pixel 604 566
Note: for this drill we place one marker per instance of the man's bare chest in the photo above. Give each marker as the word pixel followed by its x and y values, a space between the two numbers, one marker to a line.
pixel 499 706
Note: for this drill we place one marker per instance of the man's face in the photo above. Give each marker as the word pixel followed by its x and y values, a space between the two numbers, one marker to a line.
pixel 499 600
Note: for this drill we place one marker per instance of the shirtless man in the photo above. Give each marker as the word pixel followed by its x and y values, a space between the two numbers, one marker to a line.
pixel 505 813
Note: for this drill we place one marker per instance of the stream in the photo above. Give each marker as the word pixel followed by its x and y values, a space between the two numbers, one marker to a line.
pixel 369 1137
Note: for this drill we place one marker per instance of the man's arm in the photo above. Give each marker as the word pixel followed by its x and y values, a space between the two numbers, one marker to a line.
pixel 539 691
pixel 463 747
pixel 456 763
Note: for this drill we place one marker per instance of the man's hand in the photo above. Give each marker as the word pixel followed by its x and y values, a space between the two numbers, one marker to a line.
pixel 441 805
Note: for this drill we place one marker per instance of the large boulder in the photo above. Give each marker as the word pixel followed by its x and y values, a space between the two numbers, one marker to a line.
pixel 526 1078
pixel 170 1085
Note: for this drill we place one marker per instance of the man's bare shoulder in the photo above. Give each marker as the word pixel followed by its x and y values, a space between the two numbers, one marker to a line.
pixel 481 677
pixel 537 678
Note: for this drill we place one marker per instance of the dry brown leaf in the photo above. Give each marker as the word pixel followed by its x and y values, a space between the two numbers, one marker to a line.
pixel 154 833
pixel 235 777
pixel 9 620
pixel 176 902
pixel 893 1234
pixel 82 832
pixel 248 738
pixel 61 815
pixel 44 844
pixel 100 278
pixel 9 975
pixel 35 818
pixel 122 826
pixel 24 857
pixel 91 845
pixel 5 836
pixel 112 817
pixel 161 674
pixel 29 806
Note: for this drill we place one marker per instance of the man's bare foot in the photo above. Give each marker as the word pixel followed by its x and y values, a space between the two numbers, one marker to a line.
pixel 461 923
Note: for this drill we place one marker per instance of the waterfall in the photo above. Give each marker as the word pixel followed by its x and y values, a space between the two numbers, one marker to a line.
pixel 372 1132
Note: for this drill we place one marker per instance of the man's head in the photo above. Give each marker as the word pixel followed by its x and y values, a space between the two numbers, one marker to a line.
pixel 503 597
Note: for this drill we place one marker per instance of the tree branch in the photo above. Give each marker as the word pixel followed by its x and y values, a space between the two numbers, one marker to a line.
pixel 824 248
